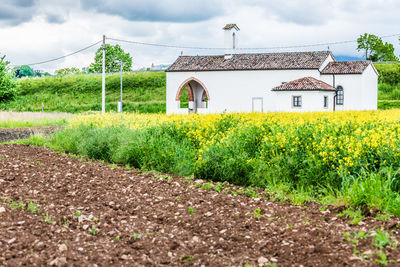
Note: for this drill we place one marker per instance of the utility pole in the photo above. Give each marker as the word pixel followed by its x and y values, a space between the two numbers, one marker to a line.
pixel 103 81
pixel 121 85
pixel 119 106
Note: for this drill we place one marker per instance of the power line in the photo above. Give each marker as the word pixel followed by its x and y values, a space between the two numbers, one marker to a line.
pixel 58 58
pixel 198 48
pixel 248 48
pixel 164 45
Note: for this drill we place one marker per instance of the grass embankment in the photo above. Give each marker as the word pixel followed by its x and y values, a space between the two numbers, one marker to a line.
pixel 342 157
pixel 142 92
pixel 389 85
pixel 31 119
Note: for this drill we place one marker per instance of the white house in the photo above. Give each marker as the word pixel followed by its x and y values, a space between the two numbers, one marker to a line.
pixel 268 82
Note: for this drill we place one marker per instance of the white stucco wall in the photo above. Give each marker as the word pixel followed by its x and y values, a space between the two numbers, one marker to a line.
pixel 233 91
pixel 326 62
pixel 360 90
pixel 311 101
pixel 370 88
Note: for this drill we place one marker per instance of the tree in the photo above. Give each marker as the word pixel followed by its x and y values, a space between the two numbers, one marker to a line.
pixel 384 52
pixel 7 83
pixel 367 42
pixel 68 71
pixel 113 54
pixel 23 71
pixel 375 49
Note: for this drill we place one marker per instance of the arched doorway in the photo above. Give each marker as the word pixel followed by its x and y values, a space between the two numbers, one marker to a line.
pixel 197 96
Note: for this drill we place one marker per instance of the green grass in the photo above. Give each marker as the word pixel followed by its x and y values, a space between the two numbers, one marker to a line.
pixel 389 85
pixel 388 104
pixel 19 124
pixel 142 92
pixel 389 73
pixel 31 119
pixel 388 92
pixel 380 67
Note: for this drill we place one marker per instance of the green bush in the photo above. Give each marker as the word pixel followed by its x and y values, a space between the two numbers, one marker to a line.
pixel 158 148
pixel 230 159
pixel 92 83
pixel 7 83
pixel 374 190
pixel 388 104
pixel 389 73
pixel 163 149
pixel 390 77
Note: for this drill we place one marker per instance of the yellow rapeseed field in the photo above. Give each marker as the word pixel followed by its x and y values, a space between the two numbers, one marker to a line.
pixel 340 140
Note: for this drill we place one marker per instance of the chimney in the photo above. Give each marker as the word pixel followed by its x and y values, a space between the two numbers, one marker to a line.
pixel 231 39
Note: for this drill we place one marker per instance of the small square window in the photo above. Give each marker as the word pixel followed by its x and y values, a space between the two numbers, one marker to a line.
pixel 325 102
pixel 297 101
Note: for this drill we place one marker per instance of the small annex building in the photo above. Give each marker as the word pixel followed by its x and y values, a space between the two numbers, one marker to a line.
pixel 269 82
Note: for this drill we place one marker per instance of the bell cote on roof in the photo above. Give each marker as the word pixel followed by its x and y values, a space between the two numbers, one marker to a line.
pixel 231 39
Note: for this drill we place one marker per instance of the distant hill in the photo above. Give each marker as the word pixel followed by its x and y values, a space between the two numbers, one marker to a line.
pixel 347 58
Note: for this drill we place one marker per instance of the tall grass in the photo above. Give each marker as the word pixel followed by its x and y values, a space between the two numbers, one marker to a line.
pixel 388 92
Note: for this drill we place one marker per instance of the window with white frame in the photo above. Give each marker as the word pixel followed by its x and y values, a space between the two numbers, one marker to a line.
pixel 339 95
pixel 325 101
pixel 296 102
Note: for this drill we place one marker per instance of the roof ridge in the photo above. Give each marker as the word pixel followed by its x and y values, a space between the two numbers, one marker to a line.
pixel 321 81
pixel 346 67
pixel 346 61
pixel 252 61
pixel 266 53
pixel 312 81
pixel 314 85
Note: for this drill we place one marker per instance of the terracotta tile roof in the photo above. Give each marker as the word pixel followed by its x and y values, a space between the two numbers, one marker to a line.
pixel 230 26
pixel 305 84
pixel 267 61
pixel 346 67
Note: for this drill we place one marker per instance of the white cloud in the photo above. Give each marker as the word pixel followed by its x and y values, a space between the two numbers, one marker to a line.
pixel 156 10
pixel 37 30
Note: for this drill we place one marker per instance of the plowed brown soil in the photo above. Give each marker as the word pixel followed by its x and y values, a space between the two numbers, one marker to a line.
pixel 7 134
pixel 145 220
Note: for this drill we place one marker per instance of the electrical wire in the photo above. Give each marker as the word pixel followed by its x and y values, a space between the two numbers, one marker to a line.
pixel 197 47
pixel 58 58
pixel 239 48
pixel 164 45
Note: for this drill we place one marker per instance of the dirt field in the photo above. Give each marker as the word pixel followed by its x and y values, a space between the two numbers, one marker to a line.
pixel 7 134
pixel 57 210
pixel 33 116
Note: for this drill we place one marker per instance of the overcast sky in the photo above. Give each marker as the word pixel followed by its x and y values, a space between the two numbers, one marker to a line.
pixel 37 30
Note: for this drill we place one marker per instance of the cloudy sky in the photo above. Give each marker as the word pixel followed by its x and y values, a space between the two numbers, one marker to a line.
pixel 37 30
